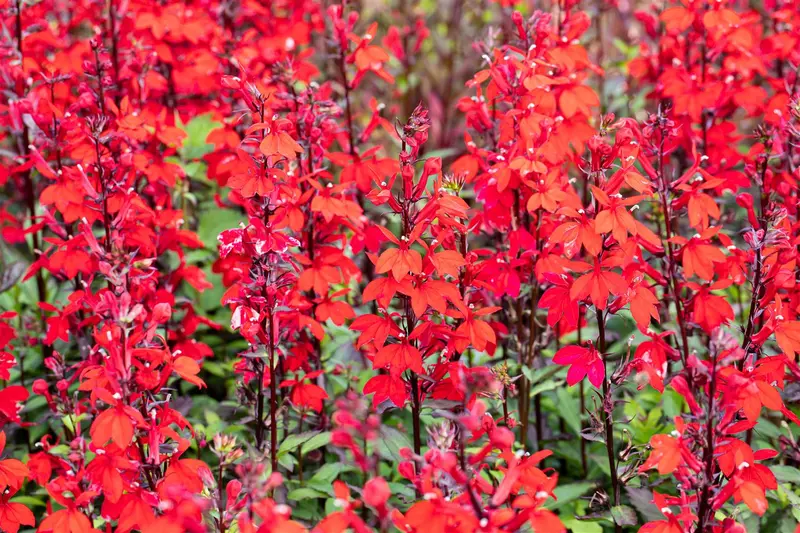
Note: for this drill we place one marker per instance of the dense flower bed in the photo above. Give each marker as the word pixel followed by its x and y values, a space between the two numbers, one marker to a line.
pixel 399 266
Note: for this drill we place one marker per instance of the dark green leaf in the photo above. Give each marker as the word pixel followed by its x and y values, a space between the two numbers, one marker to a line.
pixel 624 515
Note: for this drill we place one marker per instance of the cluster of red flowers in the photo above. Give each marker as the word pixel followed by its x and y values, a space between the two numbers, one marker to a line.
pixel 232 279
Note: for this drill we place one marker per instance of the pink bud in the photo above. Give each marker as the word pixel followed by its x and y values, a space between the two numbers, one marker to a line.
pixel 376 492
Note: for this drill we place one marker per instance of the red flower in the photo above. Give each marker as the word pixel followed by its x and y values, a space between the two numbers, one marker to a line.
pixel 583 362
pixel 13 515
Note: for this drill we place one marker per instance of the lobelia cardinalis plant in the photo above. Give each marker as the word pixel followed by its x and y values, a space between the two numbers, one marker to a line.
pixel 705 54
pixel 426 284
pixel 534 106
pixel 487 268
pixel 109 230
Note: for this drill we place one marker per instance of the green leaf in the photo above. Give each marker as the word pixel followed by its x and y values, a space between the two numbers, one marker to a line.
pixel 10 274
pixel 28 501
pixel 624 515
pixel 215 369
pixel 442 152
pixel 214 220
pixel 569 410
pixel 642 500
pixel 568 493
pixel 293 442
pixel 402 490
pixel 646 423
pixel 304 493
pixel 542 374
pixel 196 170
pixel 212 417
pixel 544 387
pixel 197 130
pixel 326 474
pixel 528 373
pixel 391 442
pixel 581 526
pixel 786 474
pixel 317 441
pixel 287 462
